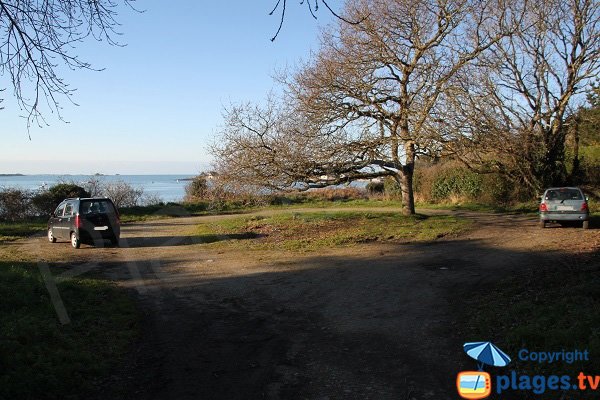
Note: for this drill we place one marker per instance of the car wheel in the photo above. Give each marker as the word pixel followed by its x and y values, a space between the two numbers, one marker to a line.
pixel 542 223
pixel 75 242
pixel 586 224
pixel 51 237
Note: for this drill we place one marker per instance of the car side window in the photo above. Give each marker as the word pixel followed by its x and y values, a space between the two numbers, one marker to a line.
pixel 69 210
pixel 59 210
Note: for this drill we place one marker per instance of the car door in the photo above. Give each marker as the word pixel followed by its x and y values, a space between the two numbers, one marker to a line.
pixel 56 222
pixel 67 219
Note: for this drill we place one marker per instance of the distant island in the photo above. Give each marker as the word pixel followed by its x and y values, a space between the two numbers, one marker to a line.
pixel 12 175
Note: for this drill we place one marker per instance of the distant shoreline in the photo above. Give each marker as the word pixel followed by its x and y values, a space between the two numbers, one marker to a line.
pixel 168 187
pixel 187 177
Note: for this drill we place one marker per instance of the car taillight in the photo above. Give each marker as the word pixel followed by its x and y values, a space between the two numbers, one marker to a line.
pixel 584 206
pixel 543 207
pixel 78 222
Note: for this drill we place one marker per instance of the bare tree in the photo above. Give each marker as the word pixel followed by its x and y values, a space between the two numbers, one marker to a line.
pixel 123 194
pixel 368 103
pixel 37 37
pixel 512 111
pixel 274 146
pixel 388 77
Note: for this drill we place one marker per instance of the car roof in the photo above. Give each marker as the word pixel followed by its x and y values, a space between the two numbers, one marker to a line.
pixel 563 187
pixel 87 198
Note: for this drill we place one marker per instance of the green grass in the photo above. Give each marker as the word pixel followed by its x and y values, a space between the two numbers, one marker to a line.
pixel 309 231
pixel 544 309
pixel 521 208
pixel 339 203
pixel 169 210
pixel 143 213
pixel 157 211
pixel 590 154
pixel 17 230
pixel 39 357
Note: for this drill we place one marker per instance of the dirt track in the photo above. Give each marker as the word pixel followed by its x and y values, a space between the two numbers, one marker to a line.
pixel 375 321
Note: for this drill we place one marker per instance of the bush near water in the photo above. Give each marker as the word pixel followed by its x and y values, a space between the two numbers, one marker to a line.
pixel 18 204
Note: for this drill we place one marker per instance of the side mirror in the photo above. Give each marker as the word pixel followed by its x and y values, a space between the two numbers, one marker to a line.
pixel 587 198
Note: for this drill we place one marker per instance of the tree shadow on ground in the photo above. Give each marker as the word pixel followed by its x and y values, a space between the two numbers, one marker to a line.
pixel 382 322
pixel 168 241
pixel 388 325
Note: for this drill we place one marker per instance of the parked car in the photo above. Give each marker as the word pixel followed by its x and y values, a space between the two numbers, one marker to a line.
pixel 565 204
pixel 85 220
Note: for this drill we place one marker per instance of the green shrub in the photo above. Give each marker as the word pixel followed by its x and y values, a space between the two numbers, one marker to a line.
pixel 497 190
pixel 45 202
pixel 197 189
pixel 392 188
pixel 15 204
pixel 452 182
pixel 455 181
pixel 375 187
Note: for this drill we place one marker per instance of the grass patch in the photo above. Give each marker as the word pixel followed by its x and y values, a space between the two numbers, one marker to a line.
pixel 551 309
pixel 143 213
pixel 352 203
pixel 17 230
pixel 173 210
pixel 336 202
pixel 314 230
pixel 158 211
pixel 39 357
pixel 519 208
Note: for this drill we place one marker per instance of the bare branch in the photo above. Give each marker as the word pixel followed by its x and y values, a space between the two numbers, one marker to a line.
pixel 312 10
pixel 38 36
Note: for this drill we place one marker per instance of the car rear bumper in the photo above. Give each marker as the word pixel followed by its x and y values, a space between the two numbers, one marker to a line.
pixel 92 235
pixel 564 216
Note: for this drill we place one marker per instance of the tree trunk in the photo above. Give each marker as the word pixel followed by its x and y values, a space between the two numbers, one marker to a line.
pixel 575 170
pixel 405 179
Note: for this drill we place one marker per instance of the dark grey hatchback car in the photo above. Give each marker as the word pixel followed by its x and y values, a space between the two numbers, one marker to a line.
pixel 85 220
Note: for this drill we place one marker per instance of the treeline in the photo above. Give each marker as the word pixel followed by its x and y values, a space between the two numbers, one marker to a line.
pixel 18 204
pixel 439 182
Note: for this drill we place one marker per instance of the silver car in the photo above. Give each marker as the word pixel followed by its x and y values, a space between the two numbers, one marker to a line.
pixel 564 204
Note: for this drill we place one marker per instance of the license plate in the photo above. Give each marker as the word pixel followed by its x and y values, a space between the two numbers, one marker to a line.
pixel 564 208
pixel 100 228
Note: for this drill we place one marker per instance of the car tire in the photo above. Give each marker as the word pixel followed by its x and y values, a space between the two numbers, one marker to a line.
pixel 51 237
pixel 75 242
pixel 586 224
pixel 542 224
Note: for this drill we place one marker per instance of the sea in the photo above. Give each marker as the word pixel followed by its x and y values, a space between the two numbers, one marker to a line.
pixel 166 187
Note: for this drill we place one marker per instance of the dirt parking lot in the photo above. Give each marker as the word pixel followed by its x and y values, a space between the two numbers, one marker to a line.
pixel 370 321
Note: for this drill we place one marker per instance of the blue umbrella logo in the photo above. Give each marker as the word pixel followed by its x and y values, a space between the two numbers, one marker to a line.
pixel 486 353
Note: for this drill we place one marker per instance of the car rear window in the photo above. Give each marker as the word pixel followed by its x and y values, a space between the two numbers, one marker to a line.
pixel 564 194
pixel 97 206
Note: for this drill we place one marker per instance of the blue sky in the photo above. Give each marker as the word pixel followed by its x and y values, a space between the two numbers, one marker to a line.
pixel 158 103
